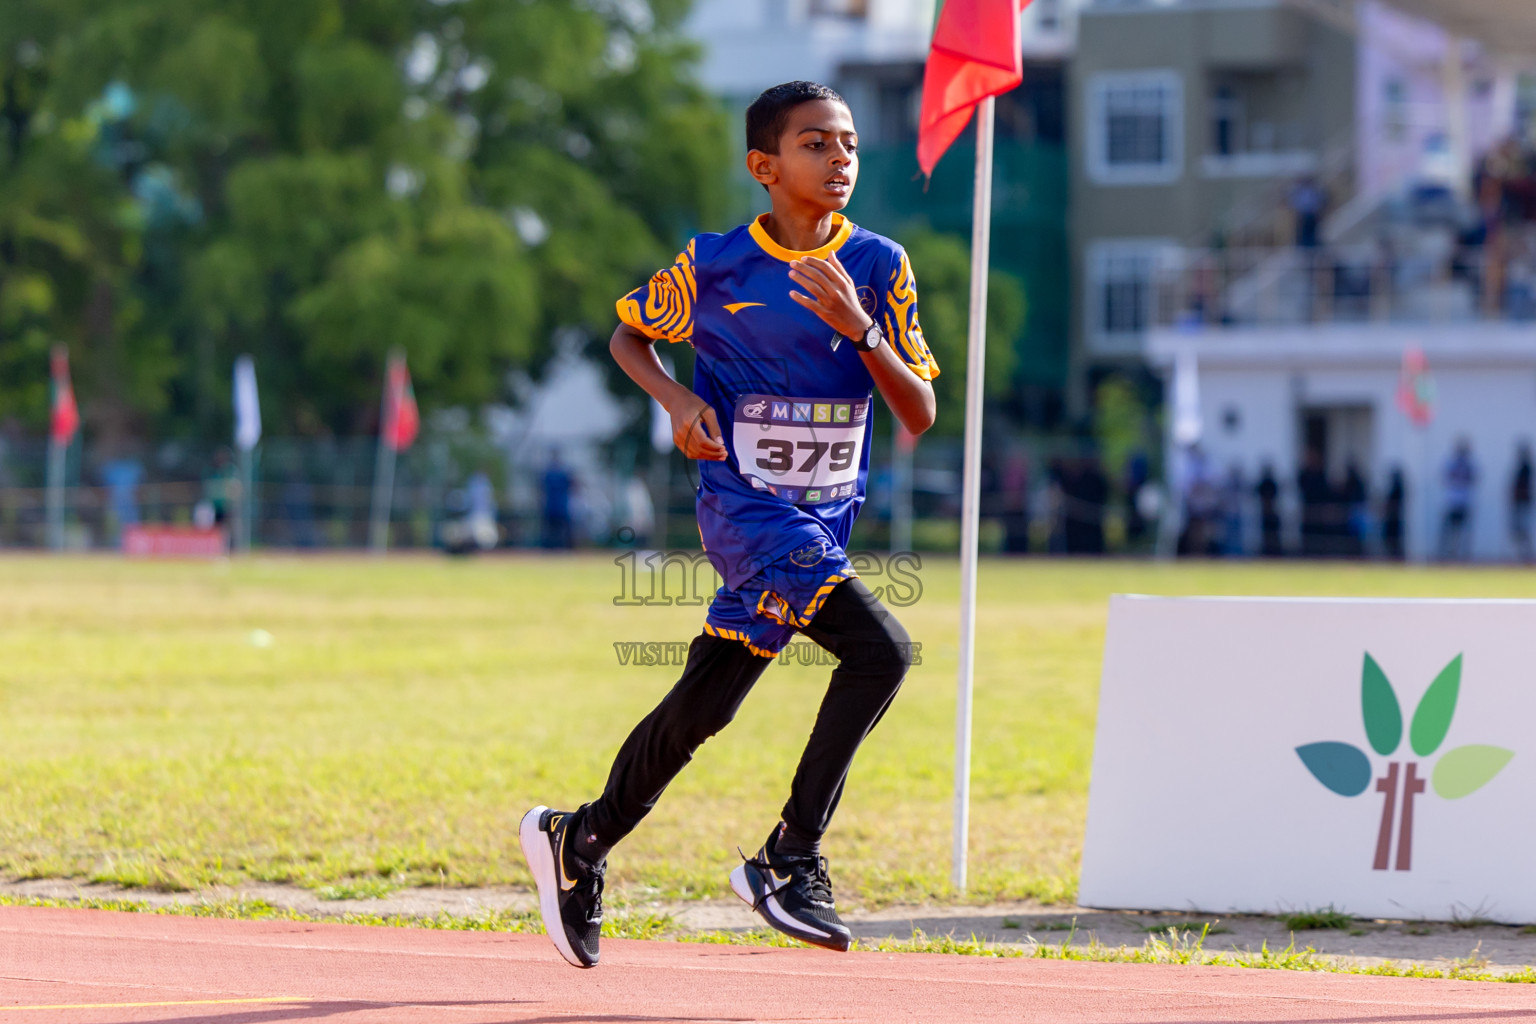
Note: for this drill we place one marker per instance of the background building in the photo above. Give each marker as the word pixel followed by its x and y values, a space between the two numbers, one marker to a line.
pixel 1296 196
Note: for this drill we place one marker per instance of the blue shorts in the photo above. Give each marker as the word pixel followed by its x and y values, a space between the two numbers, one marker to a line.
pixel 766 611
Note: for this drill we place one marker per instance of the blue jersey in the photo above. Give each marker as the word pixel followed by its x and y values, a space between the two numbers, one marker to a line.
pixel 793 398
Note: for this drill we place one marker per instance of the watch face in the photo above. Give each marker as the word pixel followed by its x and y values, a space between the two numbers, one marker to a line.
pixel 871 339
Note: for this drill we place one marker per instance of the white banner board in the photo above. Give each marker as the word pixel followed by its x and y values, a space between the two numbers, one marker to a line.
pixel 1272 755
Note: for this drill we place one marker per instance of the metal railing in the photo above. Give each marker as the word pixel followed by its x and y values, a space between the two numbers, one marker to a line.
pixel 1194 288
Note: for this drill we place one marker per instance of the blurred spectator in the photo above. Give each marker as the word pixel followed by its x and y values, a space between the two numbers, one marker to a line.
pixel 1056 507
pixel 1137 473
pixel 1268 492
pixel 1392 515
pixel 1307 203
pixel 1520 503
pixel 1234 494
pixel 1015 502
pixel 556 483
pixel 1317 500
pixel 469 520
pixel 299 512
pixel 1087 494
pixel 1460 481
pixel 1353 500
pixel 122 477
pixel 221 486
pixel 481 496
pixel 1202 506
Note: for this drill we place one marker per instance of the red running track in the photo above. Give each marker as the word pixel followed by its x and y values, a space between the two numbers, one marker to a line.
pixel 61 966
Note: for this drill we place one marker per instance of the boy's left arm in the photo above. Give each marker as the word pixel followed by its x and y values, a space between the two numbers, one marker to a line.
pixel 834 297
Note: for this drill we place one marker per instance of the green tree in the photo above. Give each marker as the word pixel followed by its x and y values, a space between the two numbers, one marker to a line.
pixel 314 183
pixel 942 265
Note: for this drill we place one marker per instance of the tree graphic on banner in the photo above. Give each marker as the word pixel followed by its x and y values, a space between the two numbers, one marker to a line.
pixel 1347 770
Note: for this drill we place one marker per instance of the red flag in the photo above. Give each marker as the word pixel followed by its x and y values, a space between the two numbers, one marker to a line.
pixel 402 421
pixel 65 417
pixel 1416 388
pixel 975 54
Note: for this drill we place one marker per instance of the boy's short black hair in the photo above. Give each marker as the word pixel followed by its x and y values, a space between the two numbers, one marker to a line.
pixel 769 113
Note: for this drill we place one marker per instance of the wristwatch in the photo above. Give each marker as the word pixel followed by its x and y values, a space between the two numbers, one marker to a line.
pixel 870 339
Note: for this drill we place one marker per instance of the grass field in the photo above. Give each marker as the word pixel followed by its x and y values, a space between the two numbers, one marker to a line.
pixel 364 724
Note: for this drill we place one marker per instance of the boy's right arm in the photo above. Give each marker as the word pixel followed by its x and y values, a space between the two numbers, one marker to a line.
pixel 695 430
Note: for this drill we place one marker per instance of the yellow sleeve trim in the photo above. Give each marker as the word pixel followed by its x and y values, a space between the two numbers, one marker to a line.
pixel 901 323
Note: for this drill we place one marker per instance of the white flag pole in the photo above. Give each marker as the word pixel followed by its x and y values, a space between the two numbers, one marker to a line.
pixel 58 451
pixel 970 509
pixel 247 435
pixel 384 464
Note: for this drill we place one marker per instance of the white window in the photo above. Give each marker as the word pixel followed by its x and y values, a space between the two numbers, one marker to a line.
pixel 1135 128
pixel 1122 281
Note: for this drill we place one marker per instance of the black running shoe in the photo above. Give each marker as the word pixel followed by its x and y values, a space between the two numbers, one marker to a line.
pixel 794 895
pixel 570 888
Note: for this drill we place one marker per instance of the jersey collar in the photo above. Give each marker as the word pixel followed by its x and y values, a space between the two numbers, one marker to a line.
pixel 843 227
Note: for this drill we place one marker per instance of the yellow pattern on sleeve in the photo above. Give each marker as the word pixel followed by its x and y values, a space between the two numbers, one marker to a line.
pixel 663 306
pixel 901 324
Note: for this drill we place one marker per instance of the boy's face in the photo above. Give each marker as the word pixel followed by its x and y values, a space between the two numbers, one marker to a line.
pixel 817 163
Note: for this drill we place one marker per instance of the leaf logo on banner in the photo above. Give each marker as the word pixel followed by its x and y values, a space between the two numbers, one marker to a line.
pixel 1342 767
pixel 1465 770
pixel 1346 769
pixel 1378 703
pixel 1433 718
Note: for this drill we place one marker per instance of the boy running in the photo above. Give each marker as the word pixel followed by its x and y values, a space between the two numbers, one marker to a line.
pixel 795 319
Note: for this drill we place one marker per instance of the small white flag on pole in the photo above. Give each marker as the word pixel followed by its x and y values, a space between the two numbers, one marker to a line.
pixel 247 434
pixel 247 407
pixel 1187 423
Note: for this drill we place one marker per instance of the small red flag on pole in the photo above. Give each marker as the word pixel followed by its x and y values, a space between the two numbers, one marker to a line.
pixel 402 420
pixel 64 419
pixel 1416 388
pixel 975 54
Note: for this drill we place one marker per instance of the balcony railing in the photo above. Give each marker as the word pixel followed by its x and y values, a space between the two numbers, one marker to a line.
pixel 1293 286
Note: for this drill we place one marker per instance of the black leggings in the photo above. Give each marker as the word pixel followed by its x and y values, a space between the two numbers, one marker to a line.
pixel 873 650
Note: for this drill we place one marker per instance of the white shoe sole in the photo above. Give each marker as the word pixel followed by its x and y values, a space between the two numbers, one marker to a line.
pixel 740 886
pixel 546 876
pixel 773 913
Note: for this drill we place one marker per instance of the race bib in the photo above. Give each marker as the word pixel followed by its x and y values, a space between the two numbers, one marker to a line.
pixel 805 450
